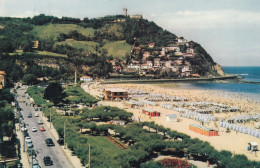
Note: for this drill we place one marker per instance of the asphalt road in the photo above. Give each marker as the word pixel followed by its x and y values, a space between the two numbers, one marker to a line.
pixel 38 138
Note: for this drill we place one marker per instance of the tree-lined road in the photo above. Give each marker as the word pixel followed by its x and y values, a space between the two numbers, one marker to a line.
pixel 58 157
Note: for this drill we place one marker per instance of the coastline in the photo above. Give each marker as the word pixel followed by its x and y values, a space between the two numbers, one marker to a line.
pixel 169 80
pixel 225 141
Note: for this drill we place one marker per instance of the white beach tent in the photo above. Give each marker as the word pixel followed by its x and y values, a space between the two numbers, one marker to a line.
pixel 172 117
pixel 254 146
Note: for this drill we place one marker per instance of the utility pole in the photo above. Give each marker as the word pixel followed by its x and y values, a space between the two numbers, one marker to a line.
pixel 89 155
pixel 64 135
pixel 24 136
pixel 50 118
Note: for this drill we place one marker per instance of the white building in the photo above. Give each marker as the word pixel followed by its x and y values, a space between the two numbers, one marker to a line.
pixel 86 79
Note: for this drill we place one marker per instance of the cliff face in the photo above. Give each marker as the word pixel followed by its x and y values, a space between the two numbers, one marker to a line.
pixel 217 69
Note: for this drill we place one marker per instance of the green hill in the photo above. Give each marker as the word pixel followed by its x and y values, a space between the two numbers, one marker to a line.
pixel 82 41
pixel 54 30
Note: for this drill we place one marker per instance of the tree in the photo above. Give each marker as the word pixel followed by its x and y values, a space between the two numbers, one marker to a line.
pixel 30 79
pixel 54 93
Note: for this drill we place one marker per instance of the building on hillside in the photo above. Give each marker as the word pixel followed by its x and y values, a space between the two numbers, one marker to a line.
pixel 136 16
pixel 190 50
pixel 195 75
pixel 2 79
pixel 125 11
pixel 134 66
pixel 117 69
pixel 151 45
pixel 35 44
pixel 150 64
pixel 168 64
pixel 115 94
pixel 157 63
pixel 144 66
pixel 181 40
pixel 86 79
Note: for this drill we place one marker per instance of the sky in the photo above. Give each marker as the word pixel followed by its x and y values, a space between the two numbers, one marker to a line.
pixel 229 30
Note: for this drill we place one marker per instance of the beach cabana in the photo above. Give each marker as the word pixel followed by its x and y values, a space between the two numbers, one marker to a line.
pixel 254 146
pixel 172 117
pixel 150 112
pixel 203 130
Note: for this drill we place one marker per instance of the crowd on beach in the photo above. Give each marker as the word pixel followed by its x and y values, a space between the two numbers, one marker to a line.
pixel 194 101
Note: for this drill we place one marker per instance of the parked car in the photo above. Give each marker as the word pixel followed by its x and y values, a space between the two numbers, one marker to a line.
pixel 27 138
pixel 47 161
pixel 29 115
pixel 29 144
pixel 42 128
pixel 36 115
pixel 39 122
pixel 36 164
pixel 34 129
pixel 49 142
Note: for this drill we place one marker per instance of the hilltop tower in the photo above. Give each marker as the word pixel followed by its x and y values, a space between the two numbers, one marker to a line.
pixel 125 11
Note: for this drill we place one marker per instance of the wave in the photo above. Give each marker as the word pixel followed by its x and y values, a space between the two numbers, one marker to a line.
pixel 242 74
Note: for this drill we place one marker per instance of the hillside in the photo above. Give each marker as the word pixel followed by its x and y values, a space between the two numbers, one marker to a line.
pixel 133 46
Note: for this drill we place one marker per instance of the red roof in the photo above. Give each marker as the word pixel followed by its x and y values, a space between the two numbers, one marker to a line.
pixel 85 77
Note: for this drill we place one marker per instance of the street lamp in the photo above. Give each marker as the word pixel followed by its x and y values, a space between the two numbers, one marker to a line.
pixel 64 136
pixel 50 118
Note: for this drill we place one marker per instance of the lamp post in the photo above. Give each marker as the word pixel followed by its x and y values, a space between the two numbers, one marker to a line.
pixel 89 155
pixel 24 136
pixel 64 136
pixel 50 118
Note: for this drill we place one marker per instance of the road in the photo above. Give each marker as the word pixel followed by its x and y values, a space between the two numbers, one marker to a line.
pixel 38 138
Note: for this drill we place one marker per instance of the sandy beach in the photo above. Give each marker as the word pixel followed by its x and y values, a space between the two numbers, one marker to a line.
pixel 234 141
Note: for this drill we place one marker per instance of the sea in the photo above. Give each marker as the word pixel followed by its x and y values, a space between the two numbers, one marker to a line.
pixel 248 86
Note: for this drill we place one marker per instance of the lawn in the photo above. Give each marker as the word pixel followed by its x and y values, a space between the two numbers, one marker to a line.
pixel 102 142
pixel 118 49
pixel 86 45
pixel 53 30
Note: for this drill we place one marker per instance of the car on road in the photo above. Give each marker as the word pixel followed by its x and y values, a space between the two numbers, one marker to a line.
pixel 36 109
pixel 21 101
pixel 49 142
pixel 27 138
pixel 36 115
pixel 36 164
pixel 34 129
pixel 42 128
pixel 29 115
pixel 39 122
pixel 29 144
pixel 23 95
pixel 47 161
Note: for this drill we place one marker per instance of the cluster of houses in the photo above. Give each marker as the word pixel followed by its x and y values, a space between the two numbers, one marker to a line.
pixel 146 60
pixel 2 79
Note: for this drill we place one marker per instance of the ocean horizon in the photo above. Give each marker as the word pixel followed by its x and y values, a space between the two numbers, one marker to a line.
pixel 247 90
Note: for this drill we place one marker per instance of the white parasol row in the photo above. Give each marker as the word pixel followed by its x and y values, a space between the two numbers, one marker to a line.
pixel 241 129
